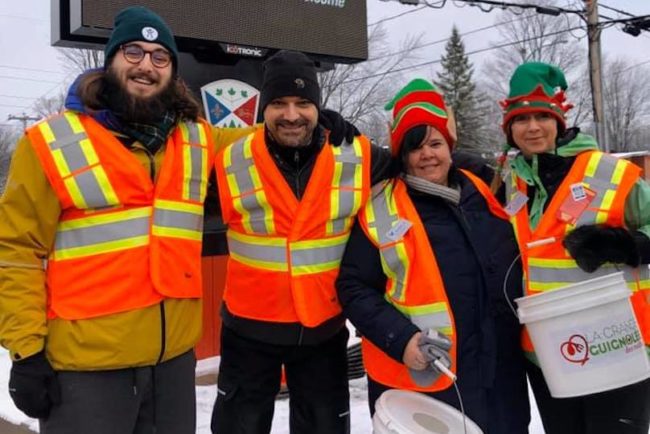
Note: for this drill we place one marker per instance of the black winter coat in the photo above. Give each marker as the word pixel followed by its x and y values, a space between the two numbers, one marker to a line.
pixel 474 250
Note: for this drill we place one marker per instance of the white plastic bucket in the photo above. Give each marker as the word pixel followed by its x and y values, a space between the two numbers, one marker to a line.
pixel 405 412
pixel 586 337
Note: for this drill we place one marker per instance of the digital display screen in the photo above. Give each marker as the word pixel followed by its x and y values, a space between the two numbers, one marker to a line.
pixel 335 29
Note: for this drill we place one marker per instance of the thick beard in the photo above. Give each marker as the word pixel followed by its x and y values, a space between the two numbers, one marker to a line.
pixel 135 109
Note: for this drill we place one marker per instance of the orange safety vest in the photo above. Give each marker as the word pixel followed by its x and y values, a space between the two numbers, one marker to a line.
pixel 549 266
pixel 122 241
pixel 414 285
pixel 284 253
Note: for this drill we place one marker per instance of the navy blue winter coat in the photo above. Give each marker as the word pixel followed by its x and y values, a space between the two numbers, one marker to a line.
pixel 474 250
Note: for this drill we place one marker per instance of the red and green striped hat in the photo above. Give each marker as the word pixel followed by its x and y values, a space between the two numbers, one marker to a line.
pixel 418 103
pixel 535 87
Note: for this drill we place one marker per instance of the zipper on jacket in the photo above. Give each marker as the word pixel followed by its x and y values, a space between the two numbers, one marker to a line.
pixel 163 332
pixel 482 295
pixel 296 160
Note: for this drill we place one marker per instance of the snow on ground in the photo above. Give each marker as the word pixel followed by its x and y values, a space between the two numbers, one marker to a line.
pixel 205 395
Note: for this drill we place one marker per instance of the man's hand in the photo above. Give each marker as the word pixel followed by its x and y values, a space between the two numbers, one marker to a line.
pixel 33 386
pixel 339 128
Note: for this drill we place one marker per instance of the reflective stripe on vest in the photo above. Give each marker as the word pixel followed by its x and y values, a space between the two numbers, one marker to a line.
pixel 75 158
pixel 195 161
pixel 382 215
pixel 246 189
pixel 434 315
pixel 92 235
pixel 347 187
pixel 178 220
pixel 603 175
pixel 270 253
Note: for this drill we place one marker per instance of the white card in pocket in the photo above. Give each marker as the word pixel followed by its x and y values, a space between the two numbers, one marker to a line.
pixel 399 229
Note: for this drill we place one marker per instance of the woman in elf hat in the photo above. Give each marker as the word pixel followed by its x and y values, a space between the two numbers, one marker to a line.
pixel 593 210
pixel 423 275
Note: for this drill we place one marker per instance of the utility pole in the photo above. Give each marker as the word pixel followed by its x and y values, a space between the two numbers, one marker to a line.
pixel 24 119
pixel 596 73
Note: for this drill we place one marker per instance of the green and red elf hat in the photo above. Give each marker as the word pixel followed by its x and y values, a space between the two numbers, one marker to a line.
pixel 536 87
pixel 418 103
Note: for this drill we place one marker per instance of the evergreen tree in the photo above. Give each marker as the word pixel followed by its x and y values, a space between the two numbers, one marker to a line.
pixel 461 95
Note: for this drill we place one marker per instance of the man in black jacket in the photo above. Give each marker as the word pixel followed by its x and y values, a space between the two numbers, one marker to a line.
pixel 257 338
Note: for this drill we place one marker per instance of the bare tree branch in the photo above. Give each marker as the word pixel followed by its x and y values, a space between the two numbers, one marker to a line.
pixel 8 137
pixel 78 60
pixel 46 106
pixel 539 38
pixel 626 93
pixel 360 91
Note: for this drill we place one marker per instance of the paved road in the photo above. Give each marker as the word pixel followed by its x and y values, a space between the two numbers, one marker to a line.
pixel 9 428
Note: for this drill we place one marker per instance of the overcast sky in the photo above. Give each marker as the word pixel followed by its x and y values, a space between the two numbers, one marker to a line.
pixel 30 67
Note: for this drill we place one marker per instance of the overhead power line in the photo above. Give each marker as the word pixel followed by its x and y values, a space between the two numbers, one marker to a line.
pixel 39 80
pixel 481 50
pixel 615 10
pixel 19 97
pixel 383 20
pixel 50 71
pixel 491 4
pixel 15 106
pixel 442 41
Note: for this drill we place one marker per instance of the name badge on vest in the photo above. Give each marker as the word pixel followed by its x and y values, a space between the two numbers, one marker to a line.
pixel 575 203
pixel 398 230
pixel 516 203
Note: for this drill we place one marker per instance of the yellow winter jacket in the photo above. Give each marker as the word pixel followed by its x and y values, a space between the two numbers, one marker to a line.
pixel 29 214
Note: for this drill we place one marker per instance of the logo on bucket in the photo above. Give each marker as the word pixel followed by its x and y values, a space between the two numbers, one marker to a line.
pixel 612 340
pixel 575 350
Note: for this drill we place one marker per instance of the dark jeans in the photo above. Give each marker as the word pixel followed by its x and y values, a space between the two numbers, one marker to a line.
pixel 619 411
pixel 157 399
pixel 249 380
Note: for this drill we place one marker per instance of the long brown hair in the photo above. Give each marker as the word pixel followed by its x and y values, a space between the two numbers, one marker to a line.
pixel 497 179
pixel 92 93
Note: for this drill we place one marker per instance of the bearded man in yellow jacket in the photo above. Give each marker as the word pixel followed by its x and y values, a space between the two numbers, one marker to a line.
pixel 100 245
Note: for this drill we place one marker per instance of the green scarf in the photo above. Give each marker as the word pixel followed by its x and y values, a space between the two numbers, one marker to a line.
pixel 152 136
pixel 528 171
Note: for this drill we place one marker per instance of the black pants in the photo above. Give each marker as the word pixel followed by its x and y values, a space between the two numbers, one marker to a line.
pixel 249 380
pixel 152 399
pixel 619 411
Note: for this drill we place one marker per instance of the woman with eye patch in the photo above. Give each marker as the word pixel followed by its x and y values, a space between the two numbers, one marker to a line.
pixel 423 274
pixel 593 210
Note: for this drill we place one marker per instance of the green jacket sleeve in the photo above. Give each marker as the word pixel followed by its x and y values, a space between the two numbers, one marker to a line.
pixel 29 212
pixel 637 208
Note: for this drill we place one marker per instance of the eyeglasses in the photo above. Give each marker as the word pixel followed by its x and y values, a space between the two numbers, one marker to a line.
pixel 134 54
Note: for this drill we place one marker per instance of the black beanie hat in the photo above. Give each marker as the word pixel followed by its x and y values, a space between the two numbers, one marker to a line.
pixel 289 73
pixel 137 23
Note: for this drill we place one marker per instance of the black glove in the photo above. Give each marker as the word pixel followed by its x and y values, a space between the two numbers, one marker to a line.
pixel 338 127
pixel 33 386
pixel 593 245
